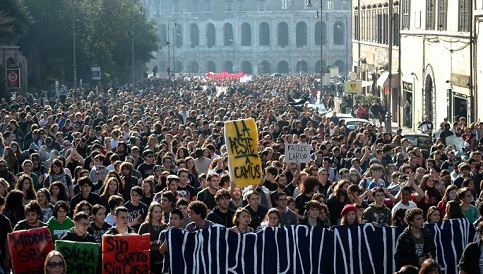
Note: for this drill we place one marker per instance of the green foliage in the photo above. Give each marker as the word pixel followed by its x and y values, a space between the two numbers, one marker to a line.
pixel 102 30
pixel 14 21
pixel 366 98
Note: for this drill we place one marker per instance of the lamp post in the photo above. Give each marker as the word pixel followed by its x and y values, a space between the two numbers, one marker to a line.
pixel 389 85
pixel 175 41
pixel 132 53
pixel 131 33
pixel 319 16
pixel 74 50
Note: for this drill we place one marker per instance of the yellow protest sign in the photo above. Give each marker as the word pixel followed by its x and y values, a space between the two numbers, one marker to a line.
pixel 241 138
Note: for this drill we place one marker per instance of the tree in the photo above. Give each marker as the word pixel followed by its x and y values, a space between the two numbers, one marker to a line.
pixel 102 30
pixel 14 21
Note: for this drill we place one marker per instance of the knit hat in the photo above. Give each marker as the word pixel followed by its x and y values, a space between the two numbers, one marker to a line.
pixel 348 208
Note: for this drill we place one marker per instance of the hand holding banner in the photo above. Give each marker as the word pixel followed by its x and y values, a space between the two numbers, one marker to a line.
pixel 125 254
pixel 297 153
pixel 80 257
pixel 28 249
pixel 241 138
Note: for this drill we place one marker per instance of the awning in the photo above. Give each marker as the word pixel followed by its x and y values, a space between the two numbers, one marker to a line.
pixel 382 79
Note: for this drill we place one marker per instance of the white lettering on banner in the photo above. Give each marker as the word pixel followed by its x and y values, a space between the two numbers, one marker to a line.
pixel 301 249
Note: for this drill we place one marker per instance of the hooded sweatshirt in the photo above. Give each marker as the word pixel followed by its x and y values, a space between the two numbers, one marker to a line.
pixel 58 230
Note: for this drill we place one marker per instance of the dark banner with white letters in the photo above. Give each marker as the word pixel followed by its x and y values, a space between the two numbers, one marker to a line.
pixel 301 249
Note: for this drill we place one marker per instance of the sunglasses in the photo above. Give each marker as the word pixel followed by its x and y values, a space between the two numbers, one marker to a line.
pixel 56 264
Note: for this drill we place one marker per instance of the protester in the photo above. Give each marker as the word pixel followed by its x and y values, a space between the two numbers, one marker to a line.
pixel 79 233
pixel 198 212
pixel 470 262
pixel 288 216
pixel 241 220
pixel 98 226
pixel 33 215
pixel 175 220
pixel 59 224
pixel 55 263
pixel 121 216
pixel 222 213
pixel 415 244
pixel 349 216
pixel 312 211
pixel 153 225
pixel 172 130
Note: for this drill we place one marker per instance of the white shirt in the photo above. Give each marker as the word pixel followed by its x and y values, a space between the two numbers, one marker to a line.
pixel 401 205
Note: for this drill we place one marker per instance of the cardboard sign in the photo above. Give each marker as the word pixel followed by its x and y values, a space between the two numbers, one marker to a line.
pixel 241 138
pixel 28 249
pixel 80 257
pixel 297 153
pixel 125 254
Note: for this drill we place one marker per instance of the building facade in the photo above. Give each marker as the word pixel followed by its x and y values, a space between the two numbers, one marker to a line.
pixel 12 57
pixel 253 36
pixel 438 53
pixel 375 32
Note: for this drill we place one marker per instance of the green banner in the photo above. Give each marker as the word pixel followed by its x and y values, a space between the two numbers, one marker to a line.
pixel 80 257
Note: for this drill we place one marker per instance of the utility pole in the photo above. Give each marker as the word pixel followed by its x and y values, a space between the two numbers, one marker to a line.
pixel 389 85
pixel 73 47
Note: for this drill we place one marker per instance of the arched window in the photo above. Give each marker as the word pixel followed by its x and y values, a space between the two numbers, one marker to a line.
pixel 246 38
pixel 195 36
pixel 210 35
pixel 282 35
pixel 178 33
pixel 210 66
pixel 264 34
pixel 247 67
pixel 301 34
pixel 228 35
pixel 339 32
pixel 282 67
pixel 264 67
pixel 228 66
pixel 317 34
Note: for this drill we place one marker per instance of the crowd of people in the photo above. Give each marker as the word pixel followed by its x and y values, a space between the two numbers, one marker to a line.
pixel 144 158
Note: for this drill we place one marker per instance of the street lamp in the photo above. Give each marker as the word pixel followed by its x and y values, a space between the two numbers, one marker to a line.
pixel 232 40
pixel 175 41
pixel 389 86
pixel 131 33
pixel 319 16
pixel 74 50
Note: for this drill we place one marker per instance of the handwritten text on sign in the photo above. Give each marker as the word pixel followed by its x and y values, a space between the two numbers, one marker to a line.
pixel 29 248
pixel 80 257
pixel 241 138
pixel 125 254
pixel 297 153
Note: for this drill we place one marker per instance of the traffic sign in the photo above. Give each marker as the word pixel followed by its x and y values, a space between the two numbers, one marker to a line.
pixel 353 86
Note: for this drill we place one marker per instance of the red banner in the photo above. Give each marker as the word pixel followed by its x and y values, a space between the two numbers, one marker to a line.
pixel 225 74
pixel 13 78
pixel 125 254
pixel 28 249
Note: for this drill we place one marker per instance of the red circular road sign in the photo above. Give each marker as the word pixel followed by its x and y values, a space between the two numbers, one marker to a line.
pixel 13 76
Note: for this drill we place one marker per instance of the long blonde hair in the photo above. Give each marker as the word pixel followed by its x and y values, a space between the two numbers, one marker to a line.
pixel 52 254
